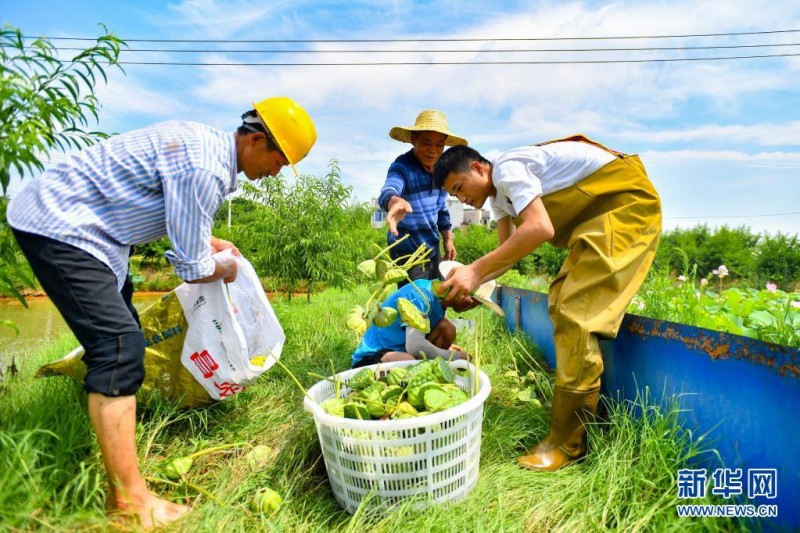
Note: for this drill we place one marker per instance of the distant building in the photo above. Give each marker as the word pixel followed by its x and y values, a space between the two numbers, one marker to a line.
pixel 378 215
pixel 459 216
pixel 456 209
pixel 476 216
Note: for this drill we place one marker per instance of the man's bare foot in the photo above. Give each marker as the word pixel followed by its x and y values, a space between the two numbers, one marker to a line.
pixel 148 510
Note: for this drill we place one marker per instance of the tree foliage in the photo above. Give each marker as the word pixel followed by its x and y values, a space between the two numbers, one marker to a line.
pixel 303 231
pixel 46 103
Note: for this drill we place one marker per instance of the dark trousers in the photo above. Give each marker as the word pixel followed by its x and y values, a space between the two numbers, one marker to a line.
pixel 429 270
pixel 103 319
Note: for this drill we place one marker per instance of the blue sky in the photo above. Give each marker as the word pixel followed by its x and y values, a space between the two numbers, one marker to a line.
pixel 720 139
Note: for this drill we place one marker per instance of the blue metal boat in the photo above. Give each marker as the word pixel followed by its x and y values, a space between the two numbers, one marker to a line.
pixel 743 392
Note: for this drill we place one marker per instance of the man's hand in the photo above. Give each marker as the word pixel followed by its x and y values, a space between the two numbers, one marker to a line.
pixel 461 282
pixel 460 354
pixel 398 209
pixel 225 271
pixel 464 304
pixel 229 270
pixel 449 246
pixel 217 245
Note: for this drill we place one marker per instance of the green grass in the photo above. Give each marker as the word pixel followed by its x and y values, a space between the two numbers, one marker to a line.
pixel 51 474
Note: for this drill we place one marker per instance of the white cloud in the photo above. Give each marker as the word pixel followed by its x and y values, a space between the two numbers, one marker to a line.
pixel 771 159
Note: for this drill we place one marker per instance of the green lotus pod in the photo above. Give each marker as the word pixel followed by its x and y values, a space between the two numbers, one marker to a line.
pixel 387 291
pixel 423 367
pixel 375 386
pixel 385 317
pixel 413 316
pixel 396 376
pixel 177 468
pixel 374 404
pixel 435 399
pixel 371 312
pixel 354 396
pixel 435 284
pixel 391 404
pixel 441 370
pixel 416 395
pixel 355 320
pixel 356 410
pixel 374 287
pixel 368 268
pixel 381 268
pixel 404 410
pixel 419 379
pixel 362 379
pixel 394 275
pixel 258 456
pixel 333 406
pixel 265 501
pixel 457 396
pixel 392 391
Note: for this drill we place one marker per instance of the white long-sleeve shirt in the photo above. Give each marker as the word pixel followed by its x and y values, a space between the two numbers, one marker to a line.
pixel 167 179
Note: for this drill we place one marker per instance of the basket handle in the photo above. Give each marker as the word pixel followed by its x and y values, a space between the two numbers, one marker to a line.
pixel 461 364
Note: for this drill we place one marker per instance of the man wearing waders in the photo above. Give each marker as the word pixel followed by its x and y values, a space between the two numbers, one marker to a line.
pixel 579 195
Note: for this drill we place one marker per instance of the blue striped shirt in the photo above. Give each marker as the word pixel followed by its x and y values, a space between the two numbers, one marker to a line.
pixel 167 179
pixel 409 180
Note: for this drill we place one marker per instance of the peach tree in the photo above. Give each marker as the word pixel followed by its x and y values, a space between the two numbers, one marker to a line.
pixel 46 103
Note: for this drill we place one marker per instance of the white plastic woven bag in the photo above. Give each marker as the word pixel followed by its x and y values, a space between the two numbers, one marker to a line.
pixel 435 456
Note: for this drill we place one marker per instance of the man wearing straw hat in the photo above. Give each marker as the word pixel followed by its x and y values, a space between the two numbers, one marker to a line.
pixel 414 207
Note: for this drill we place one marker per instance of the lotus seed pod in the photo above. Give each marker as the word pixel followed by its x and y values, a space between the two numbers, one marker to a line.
pixel 265 501
pixel 395 275
pixel 355 320
pixel 413 316
pixel 368 268
pixel 385 317
pixel 177 468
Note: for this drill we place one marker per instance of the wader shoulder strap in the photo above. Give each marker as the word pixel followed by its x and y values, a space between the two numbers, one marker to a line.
pixel 581 138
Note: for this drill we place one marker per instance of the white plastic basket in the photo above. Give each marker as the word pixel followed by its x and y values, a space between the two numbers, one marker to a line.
pixel 435 456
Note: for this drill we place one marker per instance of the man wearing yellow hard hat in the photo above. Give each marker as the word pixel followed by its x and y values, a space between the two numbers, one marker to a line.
pixel 77 222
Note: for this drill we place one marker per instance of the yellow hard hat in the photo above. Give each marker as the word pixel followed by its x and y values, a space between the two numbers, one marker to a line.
pixel 291 126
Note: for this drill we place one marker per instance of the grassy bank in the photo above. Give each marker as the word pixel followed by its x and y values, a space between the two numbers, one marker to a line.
pixel 51 474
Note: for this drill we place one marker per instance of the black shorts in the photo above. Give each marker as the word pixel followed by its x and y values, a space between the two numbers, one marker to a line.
pixel 103 319
pixel 373 359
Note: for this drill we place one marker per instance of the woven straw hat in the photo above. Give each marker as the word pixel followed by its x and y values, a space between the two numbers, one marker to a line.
pixel 427 120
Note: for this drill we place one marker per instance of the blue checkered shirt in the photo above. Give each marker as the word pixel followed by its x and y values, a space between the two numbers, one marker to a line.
pixel 407 179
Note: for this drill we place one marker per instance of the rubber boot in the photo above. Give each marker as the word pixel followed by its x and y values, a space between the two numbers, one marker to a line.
pixel 566 441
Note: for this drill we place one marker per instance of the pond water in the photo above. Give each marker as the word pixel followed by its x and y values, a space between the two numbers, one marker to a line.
pixel 40 323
